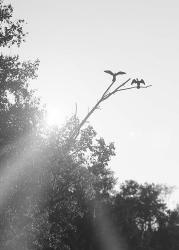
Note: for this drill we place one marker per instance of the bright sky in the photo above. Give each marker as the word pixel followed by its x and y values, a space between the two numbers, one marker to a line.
pixel 77 40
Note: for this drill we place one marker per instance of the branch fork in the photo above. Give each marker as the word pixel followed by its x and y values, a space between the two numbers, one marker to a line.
pixel 104 97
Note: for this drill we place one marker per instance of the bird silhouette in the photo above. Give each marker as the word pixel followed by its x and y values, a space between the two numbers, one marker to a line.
pixel 138 82
pixel 114 74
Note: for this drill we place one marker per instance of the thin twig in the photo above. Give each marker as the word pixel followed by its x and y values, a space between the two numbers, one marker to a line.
pixel 108 89
pixel 117 90
pixel 141 87
pixel 104 96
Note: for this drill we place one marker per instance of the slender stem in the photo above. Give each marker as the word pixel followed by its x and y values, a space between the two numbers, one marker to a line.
pixel 104 96
pixel 75 134
pixel 105 92
pixel 117 90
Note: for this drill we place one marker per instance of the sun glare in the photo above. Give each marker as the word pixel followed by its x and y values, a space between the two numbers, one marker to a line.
pixel 54 117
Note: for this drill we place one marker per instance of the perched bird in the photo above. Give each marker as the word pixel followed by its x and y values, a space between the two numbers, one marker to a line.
pixel 138 82
pixel 114 74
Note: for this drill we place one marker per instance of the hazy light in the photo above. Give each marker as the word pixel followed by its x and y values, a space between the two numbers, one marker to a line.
pixel 55 117
pixel 108 237
pixel 21 165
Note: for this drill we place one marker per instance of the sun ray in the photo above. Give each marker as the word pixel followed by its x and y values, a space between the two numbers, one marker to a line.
pixel 55 116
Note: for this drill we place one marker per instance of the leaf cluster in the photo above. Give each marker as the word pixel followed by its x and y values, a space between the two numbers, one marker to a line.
pixel 11 31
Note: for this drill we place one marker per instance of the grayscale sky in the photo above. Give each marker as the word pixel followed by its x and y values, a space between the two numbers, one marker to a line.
pixel 77 40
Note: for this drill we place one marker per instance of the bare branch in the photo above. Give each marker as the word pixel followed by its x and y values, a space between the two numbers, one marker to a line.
pixel 104 96
pixel 105 92
pixel 76 132
pixel 117 90
pixel 141 87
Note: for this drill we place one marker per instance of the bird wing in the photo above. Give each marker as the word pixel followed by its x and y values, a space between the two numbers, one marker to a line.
pixel 120 73
pixel 134 81
pixel 142 81
pixel 109 72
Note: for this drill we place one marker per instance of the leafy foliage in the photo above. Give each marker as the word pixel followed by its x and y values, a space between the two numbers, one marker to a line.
pixel 11 32
pixel 19 110
pixel 142 214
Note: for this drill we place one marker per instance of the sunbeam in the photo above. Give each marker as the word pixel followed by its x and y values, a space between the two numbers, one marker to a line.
pixel 106 233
